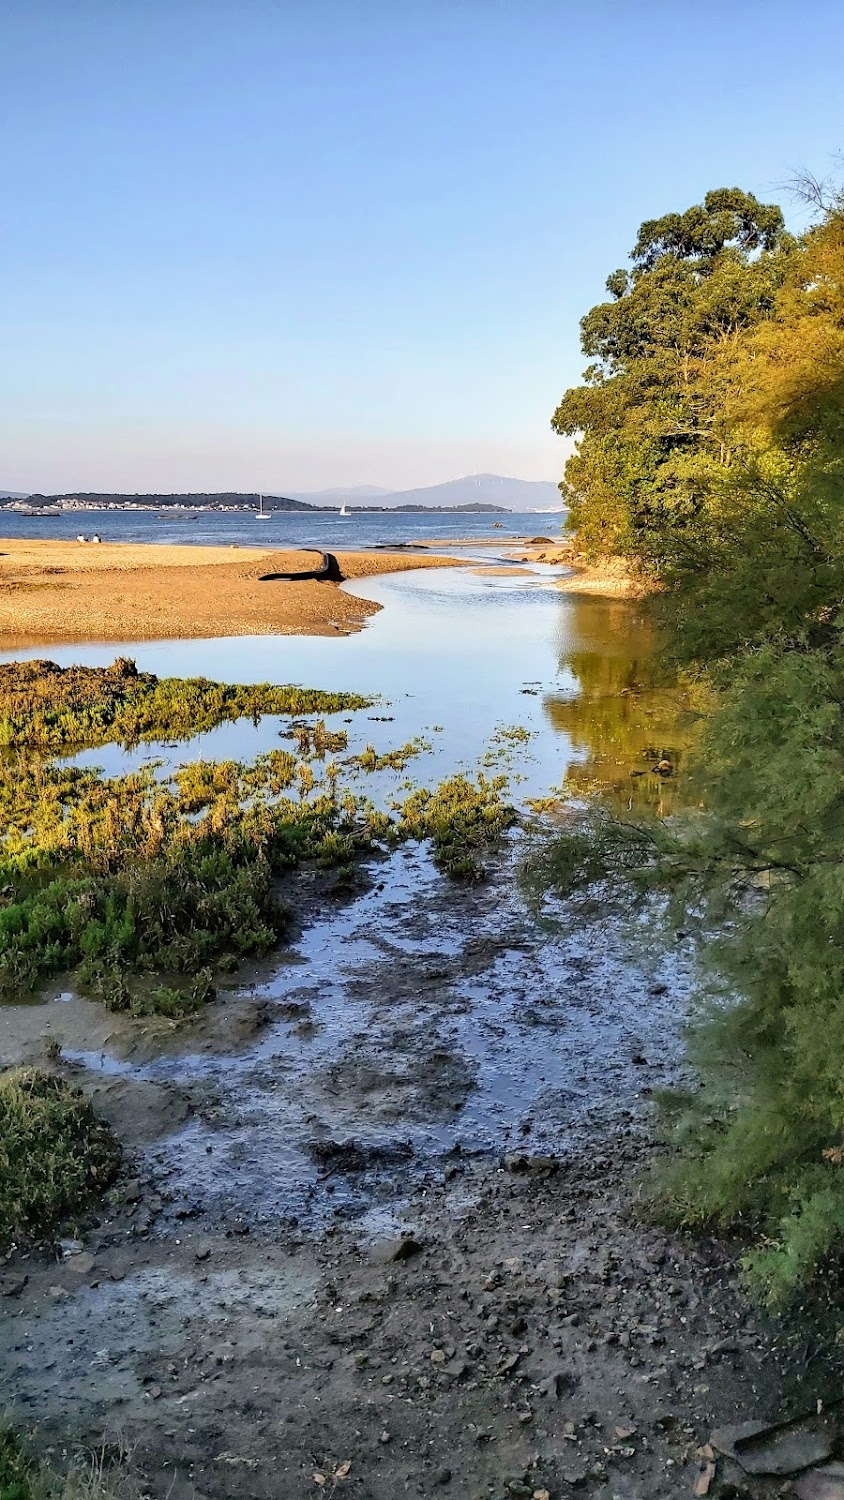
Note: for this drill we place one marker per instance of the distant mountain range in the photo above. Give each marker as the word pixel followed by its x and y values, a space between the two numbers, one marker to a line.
pixel 485 492
pixel 474 489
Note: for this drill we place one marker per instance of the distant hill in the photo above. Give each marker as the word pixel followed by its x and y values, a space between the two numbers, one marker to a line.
pixel 14 495
pixel 334 496
pixel 455 494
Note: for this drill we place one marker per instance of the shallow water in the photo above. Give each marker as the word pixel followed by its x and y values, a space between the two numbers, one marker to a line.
pixel 417 1021
pixel 422 1018
pixel 454 657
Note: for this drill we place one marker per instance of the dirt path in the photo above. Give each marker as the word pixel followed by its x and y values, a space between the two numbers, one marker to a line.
pixel 375 1236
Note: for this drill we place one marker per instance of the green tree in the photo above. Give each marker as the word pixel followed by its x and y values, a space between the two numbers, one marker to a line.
pixel 651 419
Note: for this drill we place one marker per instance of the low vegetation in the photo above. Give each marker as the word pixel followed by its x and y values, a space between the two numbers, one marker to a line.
pixel 46 706
pixel 23 1477
pixel 55 1156
pixel 147 889
pixel 462 819
pixel 315 740
pixel 389 760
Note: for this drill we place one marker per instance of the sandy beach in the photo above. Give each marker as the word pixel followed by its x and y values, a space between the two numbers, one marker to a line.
pixel 73 591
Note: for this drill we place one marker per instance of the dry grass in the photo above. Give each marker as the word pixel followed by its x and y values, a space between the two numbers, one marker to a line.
pixel 88 1476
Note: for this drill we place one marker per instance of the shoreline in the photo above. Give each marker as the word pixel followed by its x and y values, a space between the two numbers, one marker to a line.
pixel 612 578
pixel 65 592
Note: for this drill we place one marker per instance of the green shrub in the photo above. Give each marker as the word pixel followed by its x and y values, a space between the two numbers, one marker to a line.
pixel 55 1156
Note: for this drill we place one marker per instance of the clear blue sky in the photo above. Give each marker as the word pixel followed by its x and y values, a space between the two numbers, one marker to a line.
pixel 292 243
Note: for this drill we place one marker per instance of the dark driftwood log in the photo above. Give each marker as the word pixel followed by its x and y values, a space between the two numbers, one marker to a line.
pixel 328 571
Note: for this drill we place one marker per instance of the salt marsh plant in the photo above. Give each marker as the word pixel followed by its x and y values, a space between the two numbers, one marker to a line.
pixel 139 886
pixel 46 706
pixel 55 1156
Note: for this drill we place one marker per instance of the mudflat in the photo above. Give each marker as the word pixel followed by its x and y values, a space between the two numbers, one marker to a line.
pixel 73 591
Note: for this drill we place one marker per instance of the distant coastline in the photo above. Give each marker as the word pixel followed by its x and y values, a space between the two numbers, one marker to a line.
pixel 47 505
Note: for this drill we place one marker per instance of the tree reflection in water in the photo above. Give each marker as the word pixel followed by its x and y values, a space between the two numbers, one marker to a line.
pixel 622 708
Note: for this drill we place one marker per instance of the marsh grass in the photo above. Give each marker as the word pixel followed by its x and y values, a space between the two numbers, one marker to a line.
pixel 88 1476
pixel 316 740
pixel 462 819
pixel 55 1156
pixel 145 889
pixel 390 760
pixel 47 706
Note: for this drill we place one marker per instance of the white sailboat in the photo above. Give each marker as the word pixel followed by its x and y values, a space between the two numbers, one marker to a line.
pixel 343 510
pixel 261 514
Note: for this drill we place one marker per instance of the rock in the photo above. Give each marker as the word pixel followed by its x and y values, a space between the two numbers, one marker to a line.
pixel 781 1449
pixel 12 1286
pixel 703 1483
pixel 392 1252
pixel 132 1191
pixel 821 1484
pixel 521 1162
pixel 82 1263
pixel 442 1477
pixel 70 1247
pixel 557 1385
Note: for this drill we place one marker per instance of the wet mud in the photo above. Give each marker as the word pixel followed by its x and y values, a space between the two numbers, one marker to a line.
pixel 376 1234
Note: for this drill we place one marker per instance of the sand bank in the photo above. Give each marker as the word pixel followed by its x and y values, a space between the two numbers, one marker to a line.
pixel 612 578
pixel 70 591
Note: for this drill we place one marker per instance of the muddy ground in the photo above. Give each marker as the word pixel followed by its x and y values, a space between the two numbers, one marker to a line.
pixel 377 1231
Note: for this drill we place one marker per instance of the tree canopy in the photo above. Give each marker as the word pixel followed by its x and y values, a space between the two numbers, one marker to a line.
pixel 651 418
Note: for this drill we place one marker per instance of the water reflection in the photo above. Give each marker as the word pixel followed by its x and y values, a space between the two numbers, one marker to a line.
pixel 621 710
pixel 454 655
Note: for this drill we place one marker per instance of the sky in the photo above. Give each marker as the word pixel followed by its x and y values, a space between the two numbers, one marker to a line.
pixel 288 244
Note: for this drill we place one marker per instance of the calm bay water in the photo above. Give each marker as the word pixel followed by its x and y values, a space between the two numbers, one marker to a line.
pixel 283 529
